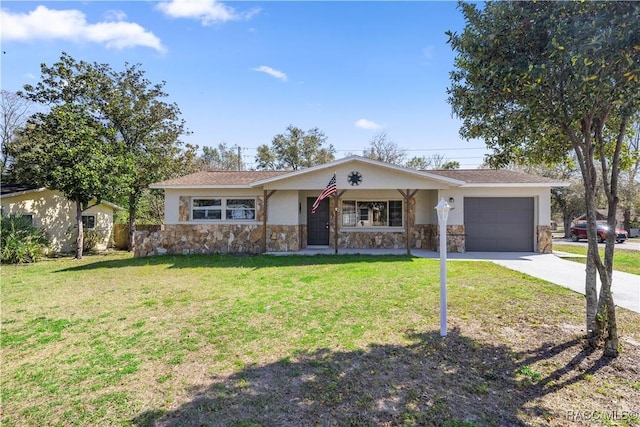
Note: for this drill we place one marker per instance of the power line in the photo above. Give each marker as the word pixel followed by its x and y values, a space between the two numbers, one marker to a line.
pixel 409 149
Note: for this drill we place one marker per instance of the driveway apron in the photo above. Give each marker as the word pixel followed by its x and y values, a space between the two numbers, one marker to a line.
pixel 569 274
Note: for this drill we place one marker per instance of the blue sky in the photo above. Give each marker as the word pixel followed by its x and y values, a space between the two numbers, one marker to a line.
pixel 242 71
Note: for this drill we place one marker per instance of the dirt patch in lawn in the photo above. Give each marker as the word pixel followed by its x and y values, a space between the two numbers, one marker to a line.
pixel 480 374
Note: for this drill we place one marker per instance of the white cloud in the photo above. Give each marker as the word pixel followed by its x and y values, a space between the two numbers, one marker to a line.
pixel 115 15
pixel 272 72
pixel 367 124
pixel 206 11
pixel 71 25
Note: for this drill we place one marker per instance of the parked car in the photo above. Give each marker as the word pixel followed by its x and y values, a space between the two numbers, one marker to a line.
pixel 579 231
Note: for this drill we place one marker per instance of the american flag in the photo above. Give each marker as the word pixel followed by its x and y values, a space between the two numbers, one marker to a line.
pixel 331 189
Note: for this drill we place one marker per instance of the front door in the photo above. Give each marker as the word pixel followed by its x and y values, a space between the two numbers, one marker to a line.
pixel 318 223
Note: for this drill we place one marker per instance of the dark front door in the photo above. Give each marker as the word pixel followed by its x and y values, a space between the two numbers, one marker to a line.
pixel 318 223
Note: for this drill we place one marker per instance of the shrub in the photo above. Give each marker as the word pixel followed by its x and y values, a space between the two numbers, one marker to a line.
pixel 20 241
pixel 90 239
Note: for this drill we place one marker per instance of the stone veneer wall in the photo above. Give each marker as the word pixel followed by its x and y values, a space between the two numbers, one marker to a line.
pixel 455 237
pixel 371 240
pixel 283 238
pixel 216 238
pixel 545 239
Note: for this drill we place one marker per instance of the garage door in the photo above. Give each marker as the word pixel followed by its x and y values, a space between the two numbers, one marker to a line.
pixel 499 224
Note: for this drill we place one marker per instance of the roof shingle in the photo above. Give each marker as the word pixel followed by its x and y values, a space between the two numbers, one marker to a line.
pixel 219 178
pixel 492 176
pixel 239 178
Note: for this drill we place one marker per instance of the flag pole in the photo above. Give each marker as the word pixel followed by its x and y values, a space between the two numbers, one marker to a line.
pixel 335 222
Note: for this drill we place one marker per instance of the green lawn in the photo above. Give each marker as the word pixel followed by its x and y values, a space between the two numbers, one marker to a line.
pixel 626 260
pixel 288 341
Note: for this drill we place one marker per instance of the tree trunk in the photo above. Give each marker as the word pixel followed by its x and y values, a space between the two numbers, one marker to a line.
pixel 591 291
pixel 566 218
pixel 133 204
pixel 606 318
pixel 80 238
pixel 627 220
pixel 591 281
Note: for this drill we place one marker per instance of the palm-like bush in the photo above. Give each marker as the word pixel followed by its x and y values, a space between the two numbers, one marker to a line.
pixel 20 241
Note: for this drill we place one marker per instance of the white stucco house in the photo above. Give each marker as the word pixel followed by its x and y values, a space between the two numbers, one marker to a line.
pixel 377 205
pixel 53 212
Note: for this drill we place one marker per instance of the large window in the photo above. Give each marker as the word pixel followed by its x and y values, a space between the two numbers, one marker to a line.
pixel 221 208
pixel 367 213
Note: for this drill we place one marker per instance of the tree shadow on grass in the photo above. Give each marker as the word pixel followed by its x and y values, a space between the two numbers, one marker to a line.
pixel 236 261
pixel 455 381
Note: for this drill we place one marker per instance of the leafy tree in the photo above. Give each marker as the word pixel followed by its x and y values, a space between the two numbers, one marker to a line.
pixel 420 163
pixel 146 128
pixel 383 149
pixel 566 202
pixel 14 111
pixel 150 209
pixel 538 80
pixel 221 157
pixel 295 150
pixel 630 179
pixel 71 152
pixel 434 161
pixel 451 164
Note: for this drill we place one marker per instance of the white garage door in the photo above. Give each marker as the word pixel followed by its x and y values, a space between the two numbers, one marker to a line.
pixel 499 224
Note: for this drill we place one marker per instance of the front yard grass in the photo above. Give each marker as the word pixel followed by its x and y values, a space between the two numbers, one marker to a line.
pixel 292 341
pixel 626 260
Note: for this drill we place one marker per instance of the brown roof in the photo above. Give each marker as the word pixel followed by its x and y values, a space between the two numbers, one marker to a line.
pixel 220 178
pixel 8 189
pixel 492 176
pixel 468 176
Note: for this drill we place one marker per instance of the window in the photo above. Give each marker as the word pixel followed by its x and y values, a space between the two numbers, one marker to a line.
pixel 379 213
pixel 88 222
pixel 207 209
pixel 227 209
pixel 28 218
pixel 395 213
pixel 241 208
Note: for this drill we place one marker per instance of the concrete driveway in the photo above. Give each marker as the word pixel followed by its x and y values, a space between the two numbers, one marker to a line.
pixel 554 269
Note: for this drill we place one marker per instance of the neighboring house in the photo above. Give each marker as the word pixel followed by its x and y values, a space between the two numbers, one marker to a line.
pixel 601 217
pixel 378 206
pixel 53 212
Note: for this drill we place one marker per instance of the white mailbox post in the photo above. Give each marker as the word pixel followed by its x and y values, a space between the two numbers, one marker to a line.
pixel 443 214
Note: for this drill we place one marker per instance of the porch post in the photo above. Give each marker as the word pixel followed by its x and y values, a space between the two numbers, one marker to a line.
pixel 336 210
pixel 407 227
